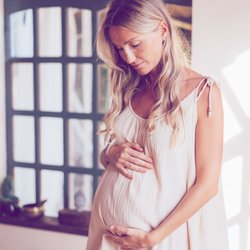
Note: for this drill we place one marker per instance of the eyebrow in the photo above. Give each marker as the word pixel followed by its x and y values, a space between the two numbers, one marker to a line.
pixel 127 41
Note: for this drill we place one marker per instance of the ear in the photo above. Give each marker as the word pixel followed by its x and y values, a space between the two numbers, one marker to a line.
pixel 164 30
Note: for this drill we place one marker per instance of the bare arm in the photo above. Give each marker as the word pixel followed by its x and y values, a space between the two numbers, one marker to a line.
pixel 208 149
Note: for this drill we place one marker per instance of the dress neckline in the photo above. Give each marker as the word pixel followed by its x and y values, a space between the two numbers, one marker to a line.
pixel 145 119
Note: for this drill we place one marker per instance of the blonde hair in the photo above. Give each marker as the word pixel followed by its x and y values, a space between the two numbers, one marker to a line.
pixel 143 16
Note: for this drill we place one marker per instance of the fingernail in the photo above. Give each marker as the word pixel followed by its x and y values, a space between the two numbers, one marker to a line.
pixel 112 227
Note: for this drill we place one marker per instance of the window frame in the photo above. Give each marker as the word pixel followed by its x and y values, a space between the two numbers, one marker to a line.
pixel 11 6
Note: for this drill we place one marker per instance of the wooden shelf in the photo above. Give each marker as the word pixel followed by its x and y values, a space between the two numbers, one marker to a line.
pixel 45 223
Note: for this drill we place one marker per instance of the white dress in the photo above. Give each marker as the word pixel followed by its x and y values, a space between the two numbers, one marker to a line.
pixel 148 198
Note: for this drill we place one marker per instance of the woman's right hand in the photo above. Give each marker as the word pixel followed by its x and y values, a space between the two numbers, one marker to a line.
pixel 128 155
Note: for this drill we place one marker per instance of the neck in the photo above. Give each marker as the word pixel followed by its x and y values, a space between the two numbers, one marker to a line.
pixel 154 74
pixel 150 81
pixel 148 86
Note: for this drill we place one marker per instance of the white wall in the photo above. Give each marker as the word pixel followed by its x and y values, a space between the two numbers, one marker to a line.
pixel 20 238
pixel 221 48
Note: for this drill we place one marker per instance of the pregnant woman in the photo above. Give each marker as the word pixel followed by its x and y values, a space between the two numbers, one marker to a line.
pixel 161 186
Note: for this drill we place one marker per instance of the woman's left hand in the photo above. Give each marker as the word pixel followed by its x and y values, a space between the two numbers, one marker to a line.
pixel 131 238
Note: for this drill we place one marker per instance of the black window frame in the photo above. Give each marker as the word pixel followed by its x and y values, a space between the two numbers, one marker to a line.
pixel 11 6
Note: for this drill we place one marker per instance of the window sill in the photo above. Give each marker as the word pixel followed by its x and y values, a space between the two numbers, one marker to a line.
pixel 45 223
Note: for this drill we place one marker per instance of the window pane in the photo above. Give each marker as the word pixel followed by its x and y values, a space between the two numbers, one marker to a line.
pixel 50 32
pixel 80 192
pixel 79 32
pixel 80 81
pixel 103 88
pixel 21 34
pixel 25 188
pixel 24 139
pixel 80 143
pixel 22 86
pixel 51 140
pixel 50 86
pixel 101 142
pixel 52 190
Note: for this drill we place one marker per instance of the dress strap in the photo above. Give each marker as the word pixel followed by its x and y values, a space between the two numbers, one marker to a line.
pixel 208 82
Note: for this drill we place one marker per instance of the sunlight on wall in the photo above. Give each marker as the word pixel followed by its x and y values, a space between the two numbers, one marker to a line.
pixel 232 194
pixel 237 75
pixel 232 126
pixel 234 236
pixel 235 173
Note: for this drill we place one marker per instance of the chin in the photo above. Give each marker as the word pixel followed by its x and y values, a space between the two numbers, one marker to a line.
pixel 142 72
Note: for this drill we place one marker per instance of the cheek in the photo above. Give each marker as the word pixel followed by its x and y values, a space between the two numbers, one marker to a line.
pixel 154 50
pixel 156 53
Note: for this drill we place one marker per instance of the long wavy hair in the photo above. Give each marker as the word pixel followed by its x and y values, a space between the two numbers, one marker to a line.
pixel 143 16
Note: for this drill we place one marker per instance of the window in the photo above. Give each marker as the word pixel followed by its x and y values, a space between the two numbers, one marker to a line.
pixel 56 97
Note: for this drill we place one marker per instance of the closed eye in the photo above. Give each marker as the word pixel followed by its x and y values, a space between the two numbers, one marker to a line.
pixel 136 45
pixel 133 46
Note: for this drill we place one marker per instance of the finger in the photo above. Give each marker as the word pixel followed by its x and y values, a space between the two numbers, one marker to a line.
pixel 138 162
pixel 121 231
pixel 128 248
pixel 116 239
pixel 136 146
pixel 134 167
pixel 131 248
pixel 128 152
pixel 140 155
pixel 126 173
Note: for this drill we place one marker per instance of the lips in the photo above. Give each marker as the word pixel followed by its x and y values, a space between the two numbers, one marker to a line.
pixel 138 65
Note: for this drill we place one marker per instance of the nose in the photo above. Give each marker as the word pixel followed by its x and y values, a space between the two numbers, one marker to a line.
pixel 129 56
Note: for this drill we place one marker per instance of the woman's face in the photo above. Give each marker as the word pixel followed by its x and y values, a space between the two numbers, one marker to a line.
pixel 143 51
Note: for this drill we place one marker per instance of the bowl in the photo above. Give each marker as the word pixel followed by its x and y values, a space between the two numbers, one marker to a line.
pixel 33 211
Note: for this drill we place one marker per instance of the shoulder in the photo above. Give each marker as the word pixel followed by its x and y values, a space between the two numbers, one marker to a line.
pixel 209 100
pixel 208 91
pixel 191 81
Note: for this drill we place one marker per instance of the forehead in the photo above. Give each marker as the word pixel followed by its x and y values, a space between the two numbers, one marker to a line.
pixel 120 35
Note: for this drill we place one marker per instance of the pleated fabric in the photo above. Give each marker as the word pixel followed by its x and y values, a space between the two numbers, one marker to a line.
pixel 145 201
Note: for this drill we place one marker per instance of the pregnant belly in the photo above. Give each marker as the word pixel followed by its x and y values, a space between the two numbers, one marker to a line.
pixel 131 203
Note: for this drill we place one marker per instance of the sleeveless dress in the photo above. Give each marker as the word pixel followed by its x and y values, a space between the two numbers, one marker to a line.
pixel 148 198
